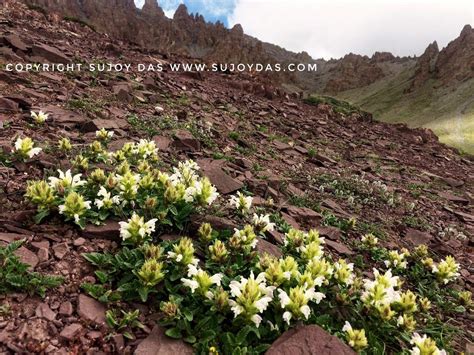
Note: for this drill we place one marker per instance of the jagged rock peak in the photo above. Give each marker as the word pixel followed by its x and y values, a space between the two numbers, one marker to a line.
pixel 151 7
pixel 466 30
pixel 432 48
pixel 237 29
pixel 382 56
pixel 129 4
pixel 181 13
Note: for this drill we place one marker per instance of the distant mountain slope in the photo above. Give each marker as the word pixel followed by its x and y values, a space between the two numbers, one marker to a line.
pixel 437 92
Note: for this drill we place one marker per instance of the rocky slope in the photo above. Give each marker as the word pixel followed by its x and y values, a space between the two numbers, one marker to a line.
pixel 318 166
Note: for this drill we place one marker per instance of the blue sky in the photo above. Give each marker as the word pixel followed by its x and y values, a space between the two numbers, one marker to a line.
pixel 212 10
pixel 332 28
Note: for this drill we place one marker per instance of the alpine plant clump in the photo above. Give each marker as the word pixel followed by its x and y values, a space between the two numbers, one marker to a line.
pixel 213 288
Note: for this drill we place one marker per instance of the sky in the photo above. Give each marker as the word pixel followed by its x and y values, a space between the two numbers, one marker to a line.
pixel 332 28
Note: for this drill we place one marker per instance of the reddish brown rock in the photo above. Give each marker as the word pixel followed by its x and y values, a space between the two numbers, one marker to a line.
pixel 332 233
pixel 339 248
pixel 184 140
pixel 417 237
pixel 162 143
pixel 71 331
pixel 111 124
pixel 224 183
pixel 15 41
pixel 157 343
pixel 304 215
pixel 109 230
pixel 64 117
pixel 60 250
pixel 7 105
pixel 66 308
pixel 43 311
pixel 51 54
pixel 91 310
pixel 27 257
pixel 309 340
pixel 263 247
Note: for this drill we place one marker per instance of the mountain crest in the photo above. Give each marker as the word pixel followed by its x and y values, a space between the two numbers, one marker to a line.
pixel 151 7
pixel 181 13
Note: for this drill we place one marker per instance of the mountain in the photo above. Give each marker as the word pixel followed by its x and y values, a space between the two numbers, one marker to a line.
pixel 435 91
pixel 73 281
pixel 186 34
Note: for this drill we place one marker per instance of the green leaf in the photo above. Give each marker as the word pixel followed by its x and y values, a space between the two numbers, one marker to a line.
pixel 102 276
pixel 460 309
pixel 40 216
pixel 128 335
pixel 173 333
pixel 143 292
pixel 190 339
pixel 188 315
pixel 242 334
pixel 207 335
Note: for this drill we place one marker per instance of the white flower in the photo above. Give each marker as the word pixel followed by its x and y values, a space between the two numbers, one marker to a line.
pixel 296 303
pixel 136 228
pixel 241 202
pixel 185 173
pixel 192 284
pixel 39 117
pixel 262 223
pixel 424 345
pixel 107 199
pixel 66 180
pixel 104 134
pixel 305 310
pixel 256 319
pixel 145 148
pixel 260 296
pixel 347 326
pixel 25 147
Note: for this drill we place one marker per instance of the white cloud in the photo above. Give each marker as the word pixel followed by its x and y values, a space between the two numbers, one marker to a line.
pixel 332 28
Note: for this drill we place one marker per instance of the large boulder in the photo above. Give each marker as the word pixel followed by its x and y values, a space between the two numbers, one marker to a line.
pixel 308 340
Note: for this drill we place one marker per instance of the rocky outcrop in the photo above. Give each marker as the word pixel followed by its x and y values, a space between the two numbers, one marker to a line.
pixel 456 61
pixel 151 8
pixel 353 71
pixel 425 67
pixel 451 65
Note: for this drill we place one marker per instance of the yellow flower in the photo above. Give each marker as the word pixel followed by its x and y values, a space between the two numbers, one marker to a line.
pixel 425 304
pixel 64 145
pixel 355 337
pixel 424 346
pixel 407 302
pixel 446 270
pixel 151 272
pixel 406 322
pixel 343 272
pixel 25 148
pixel 183 252
pixel 218 251
pixel 205 232
pixel 39 117
pixel 40 193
